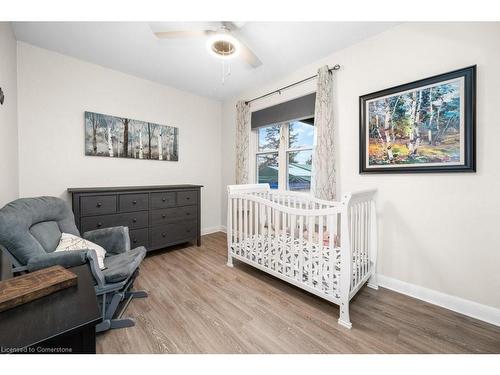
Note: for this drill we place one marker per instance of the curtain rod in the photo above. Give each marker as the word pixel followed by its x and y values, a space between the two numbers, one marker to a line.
pixel 335 67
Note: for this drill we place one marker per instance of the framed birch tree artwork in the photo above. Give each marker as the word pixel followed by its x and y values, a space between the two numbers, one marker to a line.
pixel 423 126
pixel 120 137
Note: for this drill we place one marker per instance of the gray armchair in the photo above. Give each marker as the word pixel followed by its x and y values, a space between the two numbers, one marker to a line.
pixel 30 230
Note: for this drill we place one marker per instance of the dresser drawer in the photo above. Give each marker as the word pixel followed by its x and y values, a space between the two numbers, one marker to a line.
pixel 133 202
pixel 131 220
pixel 173 215
pixel 98 205
pixel 138 237
pixel 163 200
pixel 170 233
pixel 187 198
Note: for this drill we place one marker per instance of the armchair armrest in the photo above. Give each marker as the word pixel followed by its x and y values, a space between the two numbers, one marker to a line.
pixel 114 240
pixel 69 259
pixel 62 258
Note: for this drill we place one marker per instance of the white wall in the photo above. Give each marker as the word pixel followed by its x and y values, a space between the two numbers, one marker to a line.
pixel 9 185
pixel 55 90
pixel 437 231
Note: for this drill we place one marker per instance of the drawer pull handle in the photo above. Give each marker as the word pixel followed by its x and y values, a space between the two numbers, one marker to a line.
pixel 163 216
pixel 99 225
pixel 99 204
pixel 188 198
pixel 164 199
pixel 164 235
pixel 188 213
pixel 134 220
pixel 134 202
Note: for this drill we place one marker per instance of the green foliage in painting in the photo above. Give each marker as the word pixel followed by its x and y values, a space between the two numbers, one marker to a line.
pixel 421 126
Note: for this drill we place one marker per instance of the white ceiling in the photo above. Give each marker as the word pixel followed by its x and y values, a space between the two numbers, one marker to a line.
pixel 185 63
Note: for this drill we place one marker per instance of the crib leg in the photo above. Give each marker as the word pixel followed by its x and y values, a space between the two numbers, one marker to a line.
pixel 344 319
pixel 373 282
pixel 229 261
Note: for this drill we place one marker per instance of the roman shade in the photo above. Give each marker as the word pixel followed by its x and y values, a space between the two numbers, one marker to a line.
pixel 295 109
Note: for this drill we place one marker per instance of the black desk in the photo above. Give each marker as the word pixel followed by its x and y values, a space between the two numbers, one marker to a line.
pixel 62 322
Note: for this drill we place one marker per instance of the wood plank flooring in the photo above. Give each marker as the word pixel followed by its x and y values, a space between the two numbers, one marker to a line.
pixel 197 304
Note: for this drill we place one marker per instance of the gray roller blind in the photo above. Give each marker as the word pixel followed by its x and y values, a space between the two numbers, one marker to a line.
pixel 295 109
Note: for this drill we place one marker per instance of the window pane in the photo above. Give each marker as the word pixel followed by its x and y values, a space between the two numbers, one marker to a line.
pixel 267 169
pixel 299 170
pixel 269 138
pixel 301 134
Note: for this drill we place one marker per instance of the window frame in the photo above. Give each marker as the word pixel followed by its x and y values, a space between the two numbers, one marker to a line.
pixel 283 152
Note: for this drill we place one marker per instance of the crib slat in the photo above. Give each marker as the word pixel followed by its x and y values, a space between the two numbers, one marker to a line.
pixel 284 233
pixel 250 218
pixel 230 222
pixel 300 271
pixel 321 253
pixel 353 244
pixel 269 236
pixel 276 238
pixel 368 234
pixel 310 231
pixel 293 224
pixel 357 243
pixel 332 256
pixel 245 221
pixel 365 258
pixel 235 221
pixel 361 245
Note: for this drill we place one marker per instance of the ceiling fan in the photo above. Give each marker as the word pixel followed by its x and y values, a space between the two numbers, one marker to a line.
pixel 223 41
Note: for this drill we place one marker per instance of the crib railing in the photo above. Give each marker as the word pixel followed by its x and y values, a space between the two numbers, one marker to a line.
pixel 361 227
pixel 327 248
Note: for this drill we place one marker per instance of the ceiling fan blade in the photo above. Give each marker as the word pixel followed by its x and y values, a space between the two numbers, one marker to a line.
pixel 232 25
pixel 248 56
pixel 183 34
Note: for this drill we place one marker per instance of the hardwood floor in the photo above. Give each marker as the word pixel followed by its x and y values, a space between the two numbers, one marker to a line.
pixel 197 304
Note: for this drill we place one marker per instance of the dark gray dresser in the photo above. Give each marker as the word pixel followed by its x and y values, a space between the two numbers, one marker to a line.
pixel 157 216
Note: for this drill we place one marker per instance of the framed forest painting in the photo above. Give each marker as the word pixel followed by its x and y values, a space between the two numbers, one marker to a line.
pixel 423 126
pixel 120 137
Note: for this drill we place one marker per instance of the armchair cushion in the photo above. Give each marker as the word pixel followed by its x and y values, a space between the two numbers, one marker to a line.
pixel 65 259
pixel 69 242
pixel 121 266
pixel 32 227
pixel 115 240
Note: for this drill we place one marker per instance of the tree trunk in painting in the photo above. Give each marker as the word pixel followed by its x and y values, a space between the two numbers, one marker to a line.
pixel 417 122
pixel 167 147
pixel 429 131
pixel 94 133
pixel 175 149
pixel 149 138
pixel 413 110
pixel 160 151
pixel 387 127
pixel 125 136
pixel 140 145
pixel 110 143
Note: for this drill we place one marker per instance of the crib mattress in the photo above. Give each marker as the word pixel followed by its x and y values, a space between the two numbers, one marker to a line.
pixel 308 263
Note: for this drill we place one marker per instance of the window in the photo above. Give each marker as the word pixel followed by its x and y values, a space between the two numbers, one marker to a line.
pixel 284 155
pixel 267 155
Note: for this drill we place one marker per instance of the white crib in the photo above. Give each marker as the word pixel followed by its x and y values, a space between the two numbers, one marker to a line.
pixel 327 248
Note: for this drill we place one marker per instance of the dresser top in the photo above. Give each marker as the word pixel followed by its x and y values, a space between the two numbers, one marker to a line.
pixel 132 188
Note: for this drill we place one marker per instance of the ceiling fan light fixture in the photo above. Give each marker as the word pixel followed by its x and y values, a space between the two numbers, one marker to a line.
pixel 223 45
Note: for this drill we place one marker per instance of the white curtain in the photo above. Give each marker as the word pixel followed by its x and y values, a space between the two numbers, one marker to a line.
pixel 323 182
pixel 242 142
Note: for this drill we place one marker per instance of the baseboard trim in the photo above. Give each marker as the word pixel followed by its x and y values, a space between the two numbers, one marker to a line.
pixel 472 309
pixel 210 230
